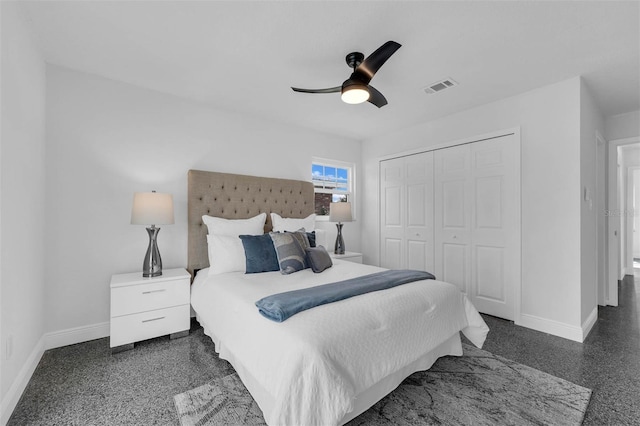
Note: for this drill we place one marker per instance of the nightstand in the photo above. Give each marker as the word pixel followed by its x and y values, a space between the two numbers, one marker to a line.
pixel 142 308
pixel 350 256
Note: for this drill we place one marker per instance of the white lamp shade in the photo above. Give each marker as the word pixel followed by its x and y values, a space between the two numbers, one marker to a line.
pixel 340 212
pixel 152 208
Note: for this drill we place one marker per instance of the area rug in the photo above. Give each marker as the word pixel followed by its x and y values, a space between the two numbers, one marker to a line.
pixel 478 388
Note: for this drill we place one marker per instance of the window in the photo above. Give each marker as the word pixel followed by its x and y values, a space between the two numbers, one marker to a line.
pixel 333 181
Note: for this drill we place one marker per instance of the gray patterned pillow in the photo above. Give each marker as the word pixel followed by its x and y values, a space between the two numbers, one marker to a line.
pixel 290 248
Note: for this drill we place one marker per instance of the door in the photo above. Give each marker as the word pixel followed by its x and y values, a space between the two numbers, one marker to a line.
pixel 406 215
pixel 495 225
pixel 456 212
pixel 477 222
pixel 418 233
pixel 392 213
pixel 452 230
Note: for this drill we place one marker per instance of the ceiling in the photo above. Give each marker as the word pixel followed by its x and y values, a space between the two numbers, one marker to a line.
pixel 244 56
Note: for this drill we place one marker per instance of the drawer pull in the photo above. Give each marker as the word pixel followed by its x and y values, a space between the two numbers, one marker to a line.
pixel 154 291
pixel 153 319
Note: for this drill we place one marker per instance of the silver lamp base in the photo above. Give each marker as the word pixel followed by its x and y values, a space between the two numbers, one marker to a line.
pixel 152 266
pixel 339 247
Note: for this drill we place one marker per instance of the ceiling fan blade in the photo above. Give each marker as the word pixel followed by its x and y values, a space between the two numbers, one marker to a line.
pixel 329 90
pixel 372 63
pixel 376 97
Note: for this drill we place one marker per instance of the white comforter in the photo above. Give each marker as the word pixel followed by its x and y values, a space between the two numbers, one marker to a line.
pixel 313 364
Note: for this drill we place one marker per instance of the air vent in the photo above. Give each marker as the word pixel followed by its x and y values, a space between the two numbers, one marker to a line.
pixel 439 86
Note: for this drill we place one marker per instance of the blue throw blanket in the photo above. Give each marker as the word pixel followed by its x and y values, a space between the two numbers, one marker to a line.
pixel 279 307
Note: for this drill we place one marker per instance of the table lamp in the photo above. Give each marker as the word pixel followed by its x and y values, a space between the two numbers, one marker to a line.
pixel 152 208
pixel 340 212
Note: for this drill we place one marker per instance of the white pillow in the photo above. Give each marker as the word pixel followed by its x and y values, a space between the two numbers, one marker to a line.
pixel 235 227
pixel 281 224
pixel 226 254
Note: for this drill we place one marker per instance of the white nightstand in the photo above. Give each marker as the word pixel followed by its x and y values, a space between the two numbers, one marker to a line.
pixel 142 308
pixel 350 256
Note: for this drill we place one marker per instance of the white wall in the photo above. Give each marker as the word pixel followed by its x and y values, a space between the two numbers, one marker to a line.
pixel 22 210
pixel 551 245
pixel 106 140
pixel 622 126
pixel 591 123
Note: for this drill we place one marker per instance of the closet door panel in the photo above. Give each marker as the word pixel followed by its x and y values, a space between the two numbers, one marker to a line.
pixel 417 255
pixel 392 213
pixel 496 225
pixel 418 236
pixel 489 273
pixel 455 270
pixel 392 249
pixel 453 204
pixel 392 208
pixel 452 221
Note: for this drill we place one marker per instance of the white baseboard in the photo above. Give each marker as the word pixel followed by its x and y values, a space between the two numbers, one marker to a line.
pixel 588 324
pixel 556 328
pixel 21 381
pixel 628 271
pixel 71 336
pixel 51 340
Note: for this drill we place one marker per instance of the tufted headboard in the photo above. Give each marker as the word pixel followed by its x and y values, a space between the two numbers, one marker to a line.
pixel 239 197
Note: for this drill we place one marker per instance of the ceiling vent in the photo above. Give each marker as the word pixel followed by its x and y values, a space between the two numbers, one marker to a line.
pixel 439 86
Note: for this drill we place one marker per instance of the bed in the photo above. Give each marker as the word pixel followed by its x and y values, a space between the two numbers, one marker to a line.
pixel 328 364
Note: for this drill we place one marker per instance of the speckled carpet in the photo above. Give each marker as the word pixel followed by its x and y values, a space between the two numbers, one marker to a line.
pixel 478 388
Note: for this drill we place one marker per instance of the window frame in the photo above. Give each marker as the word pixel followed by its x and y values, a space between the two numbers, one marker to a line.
pixel 351 183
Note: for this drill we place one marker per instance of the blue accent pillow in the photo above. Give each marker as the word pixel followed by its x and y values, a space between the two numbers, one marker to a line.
pixel 260 254
pixel 311 236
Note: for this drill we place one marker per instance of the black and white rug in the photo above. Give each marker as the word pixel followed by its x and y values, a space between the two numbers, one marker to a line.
pixel 478 388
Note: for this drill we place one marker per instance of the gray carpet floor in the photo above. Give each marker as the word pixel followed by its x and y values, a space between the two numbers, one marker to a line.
pixel 84 384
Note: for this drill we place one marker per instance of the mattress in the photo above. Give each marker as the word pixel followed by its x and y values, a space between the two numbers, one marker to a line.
pixel 327 364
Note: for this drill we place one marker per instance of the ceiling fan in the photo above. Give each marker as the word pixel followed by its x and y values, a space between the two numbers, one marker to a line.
pixel 356 89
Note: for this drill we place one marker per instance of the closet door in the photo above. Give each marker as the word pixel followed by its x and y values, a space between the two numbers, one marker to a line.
pixel 456 212
pixel 392 213
pixel 406 212
pixel 418 232
pixel 495 271
pixel 452 199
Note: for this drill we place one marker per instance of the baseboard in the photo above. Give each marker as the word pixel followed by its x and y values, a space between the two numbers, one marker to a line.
pixel 628 271
pixel 12 397
pixel 556 328
pixel 588 324
pixel 71 336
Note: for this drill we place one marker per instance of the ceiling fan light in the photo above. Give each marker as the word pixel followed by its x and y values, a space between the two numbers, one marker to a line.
pixel 355 93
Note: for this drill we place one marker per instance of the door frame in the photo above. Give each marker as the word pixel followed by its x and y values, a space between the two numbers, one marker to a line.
pixel 601 232
pixel 516 132
pixel 614 219
pixel 629 172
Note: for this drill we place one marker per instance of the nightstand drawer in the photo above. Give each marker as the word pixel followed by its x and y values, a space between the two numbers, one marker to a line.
pixel 149 296
pixel 133 328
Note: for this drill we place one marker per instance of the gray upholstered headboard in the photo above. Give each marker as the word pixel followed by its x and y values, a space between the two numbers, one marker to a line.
pixel 239 197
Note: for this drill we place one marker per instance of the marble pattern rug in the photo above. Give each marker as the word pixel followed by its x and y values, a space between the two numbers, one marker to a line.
pixel 478 388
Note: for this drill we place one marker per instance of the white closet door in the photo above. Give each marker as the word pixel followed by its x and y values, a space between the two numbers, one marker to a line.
pixel 392 213
pixel 418 236
pixel 456 212
pixel 406 215
pixel 452 197
pixel 495 270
